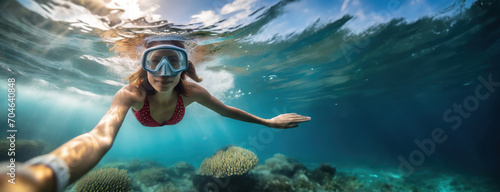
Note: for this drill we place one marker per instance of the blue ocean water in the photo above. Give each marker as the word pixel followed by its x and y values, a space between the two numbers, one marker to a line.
pixel 387 93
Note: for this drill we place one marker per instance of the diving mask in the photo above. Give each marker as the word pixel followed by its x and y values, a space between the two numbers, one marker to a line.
pixel 165 60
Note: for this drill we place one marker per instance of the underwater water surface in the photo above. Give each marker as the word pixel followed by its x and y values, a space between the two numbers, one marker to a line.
pixel 403 95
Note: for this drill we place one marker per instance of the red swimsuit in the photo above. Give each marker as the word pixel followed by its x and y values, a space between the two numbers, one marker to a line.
pixel 145 118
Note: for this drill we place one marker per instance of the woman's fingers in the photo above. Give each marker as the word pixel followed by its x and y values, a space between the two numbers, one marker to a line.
pixel 300 121
pixel 290 120
pixel 301 118
pixel 294 115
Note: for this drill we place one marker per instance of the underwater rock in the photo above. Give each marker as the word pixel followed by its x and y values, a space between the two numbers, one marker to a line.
pixel 268 181
pixel 168 187
pixel 326 168
pixel 235 183
pixel 24 149
pixel 322 174
pixel 132 166
pixel 274 183
pixel 139 164
pixel 182 169
pixel 228 161
pixel 116 164
pixel 107 179
pixel 281 164
pixel 135 165
pixel 343 182
pixel 301 182
pixel 183 184
pixel 152 176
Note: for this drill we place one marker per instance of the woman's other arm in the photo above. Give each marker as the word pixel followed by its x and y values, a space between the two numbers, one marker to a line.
pixel 203 97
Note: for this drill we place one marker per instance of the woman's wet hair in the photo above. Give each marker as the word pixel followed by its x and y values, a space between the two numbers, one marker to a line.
pixel 139 78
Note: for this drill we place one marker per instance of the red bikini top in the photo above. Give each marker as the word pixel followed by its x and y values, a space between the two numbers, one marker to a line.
pixel 145 118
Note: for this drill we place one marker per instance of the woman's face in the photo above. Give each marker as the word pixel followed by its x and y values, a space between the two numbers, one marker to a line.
pixel 163 83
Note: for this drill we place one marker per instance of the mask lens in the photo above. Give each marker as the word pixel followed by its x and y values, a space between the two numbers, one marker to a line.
pixel 153 63
pixel 174 61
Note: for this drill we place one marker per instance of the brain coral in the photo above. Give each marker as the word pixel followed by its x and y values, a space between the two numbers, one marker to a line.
pixel 107 179
pixel 228 161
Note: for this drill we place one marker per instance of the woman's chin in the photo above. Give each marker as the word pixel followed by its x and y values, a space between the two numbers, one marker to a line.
pixel 163 88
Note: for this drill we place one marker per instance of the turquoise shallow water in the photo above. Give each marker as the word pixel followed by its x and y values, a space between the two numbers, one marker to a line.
pixel 402 102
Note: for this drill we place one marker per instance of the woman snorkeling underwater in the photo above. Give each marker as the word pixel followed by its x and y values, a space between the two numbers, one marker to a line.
pixel 157 94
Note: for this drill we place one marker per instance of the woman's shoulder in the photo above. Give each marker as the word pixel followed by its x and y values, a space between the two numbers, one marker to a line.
pixel 196 91
pixel 193 88
pixel 133 93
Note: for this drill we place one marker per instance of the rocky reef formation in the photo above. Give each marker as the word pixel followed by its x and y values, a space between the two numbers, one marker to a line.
pixel 283 174
pixel 283 165
pixel 151 176
pixel 279 173
pixel 148 175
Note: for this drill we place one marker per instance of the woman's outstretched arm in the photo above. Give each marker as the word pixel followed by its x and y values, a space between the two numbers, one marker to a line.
pixel 203 97
pixel 83 152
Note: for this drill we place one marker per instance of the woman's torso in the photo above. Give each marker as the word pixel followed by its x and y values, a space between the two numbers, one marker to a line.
pixel 159 111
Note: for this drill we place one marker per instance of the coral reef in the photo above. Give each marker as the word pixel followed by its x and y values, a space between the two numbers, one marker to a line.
pixel 283 165
pixel 322 174
pixel 302 183
pixel 182 169
pixel 227 162
pixel 137 165
pixel 284 174
pixel 133 165
pixel 152 176
pixel 106 179
pixel 343 183
pixel 168 187
pixel 274 183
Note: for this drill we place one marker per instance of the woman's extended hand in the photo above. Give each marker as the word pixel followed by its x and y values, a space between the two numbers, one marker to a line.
pixel 288 120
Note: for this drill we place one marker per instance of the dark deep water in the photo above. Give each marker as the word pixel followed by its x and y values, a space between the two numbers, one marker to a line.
pixel 408 97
